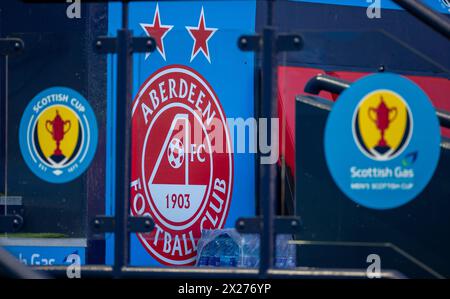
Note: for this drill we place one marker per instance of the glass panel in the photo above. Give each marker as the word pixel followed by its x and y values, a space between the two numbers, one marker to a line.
pixel 190 168
pixel 53 133
pixel 341 228
pixel 196 130
pixel 197 176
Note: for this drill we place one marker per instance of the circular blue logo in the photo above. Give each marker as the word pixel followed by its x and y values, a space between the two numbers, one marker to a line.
pixel 382 141
pixel 58 135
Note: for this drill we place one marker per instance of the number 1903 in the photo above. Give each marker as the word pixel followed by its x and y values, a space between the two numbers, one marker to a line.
pixel 177 201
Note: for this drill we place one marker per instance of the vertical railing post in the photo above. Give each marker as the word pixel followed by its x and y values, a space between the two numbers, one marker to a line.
pixel 123 140
pixel 269 44
pixel 122 224
pixel 268 172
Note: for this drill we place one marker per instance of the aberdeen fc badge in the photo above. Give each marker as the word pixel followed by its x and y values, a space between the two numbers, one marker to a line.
pixel 58 135
pixel 182 162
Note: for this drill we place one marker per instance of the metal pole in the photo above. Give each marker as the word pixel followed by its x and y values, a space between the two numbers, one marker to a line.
pixel 268 172
pixel 335 85
pixel 324 82
pixel 427 15
pixel 125 14
pixel 123 138
pixel 444 118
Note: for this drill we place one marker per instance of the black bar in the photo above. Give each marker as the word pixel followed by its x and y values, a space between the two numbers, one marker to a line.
pixel 327 83
pixel 10 46
pixel 136 224
pixel 427 15
pixel 10 223
pixel 214 273
pixel 444 118
pixel 122 148
pixel 289 42
pixel 335 85
pixel 283 225
pixel 106 45
pixel 250 43
pixel 86 271
pixel 123 138
pixel 268 172
pixel 122 224
pixel 124 14
pixel 230 273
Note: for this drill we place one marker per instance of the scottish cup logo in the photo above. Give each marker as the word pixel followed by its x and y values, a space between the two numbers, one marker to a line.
pixel 382 125
pixel 58 135
pixel 382 141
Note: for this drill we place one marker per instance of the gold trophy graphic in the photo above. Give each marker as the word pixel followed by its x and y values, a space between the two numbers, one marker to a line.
pixel 381 116
pixel 57 128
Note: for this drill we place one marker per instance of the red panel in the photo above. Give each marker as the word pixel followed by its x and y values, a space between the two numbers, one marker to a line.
pixel 292 81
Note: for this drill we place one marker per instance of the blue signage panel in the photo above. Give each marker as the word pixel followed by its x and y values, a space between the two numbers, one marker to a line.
pixel 48 255
pixel 196 78
pixel 382 141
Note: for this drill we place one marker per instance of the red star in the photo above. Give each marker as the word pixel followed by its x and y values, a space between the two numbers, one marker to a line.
pixel 158 32
pixel 201 35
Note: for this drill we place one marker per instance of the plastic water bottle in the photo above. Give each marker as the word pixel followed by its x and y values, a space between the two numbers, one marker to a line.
pixel 234 253
pixel 250 251
pixel 228 251
pixel 214 259
pixel 205 255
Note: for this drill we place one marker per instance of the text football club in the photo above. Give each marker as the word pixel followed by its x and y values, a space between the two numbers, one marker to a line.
pixel 382 141
pixel 182 162
pixel 58 135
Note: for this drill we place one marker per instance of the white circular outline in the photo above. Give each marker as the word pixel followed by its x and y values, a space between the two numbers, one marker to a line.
pixel 187 72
